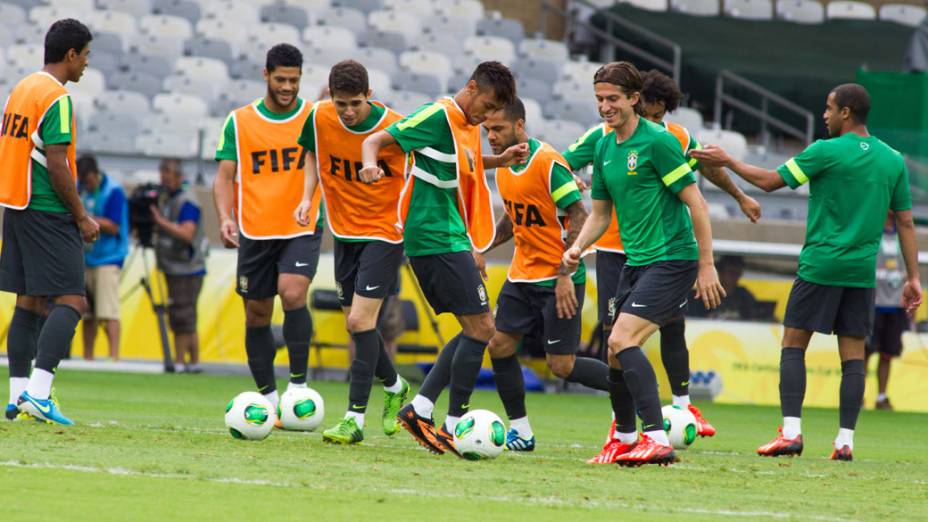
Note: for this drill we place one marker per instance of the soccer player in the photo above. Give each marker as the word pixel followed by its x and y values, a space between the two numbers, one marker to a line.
pixel 660 95
pixel 544 212
pixel 259 183
pixel 45 221
pixel 362 217
pixel 855 179
pixel 445 211
pixel 639 169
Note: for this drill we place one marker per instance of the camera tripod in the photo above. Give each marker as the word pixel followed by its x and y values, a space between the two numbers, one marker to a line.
pixel 158 306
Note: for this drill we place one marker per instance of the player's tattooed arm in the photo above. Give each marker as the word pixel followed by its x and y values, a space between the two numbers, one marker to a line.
pixel 576 217
pixel 718 177
pixel 503 232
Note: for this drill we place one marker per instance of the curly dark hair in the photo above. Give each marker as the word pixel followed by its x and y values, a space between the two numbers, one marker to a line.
pixel 496 76
pixel 348 77
pixel 283 55
pixel 660 88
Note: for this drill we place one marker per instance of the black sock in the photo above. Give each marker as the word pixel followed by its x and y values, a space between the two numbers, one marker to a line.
pixel 853 376
pixel 623 405
pixel 642 383
pixel 507 373
pixel 385 371
pixel 366 353
pixel 792 381
pixel 675 357
pixel 464 370
pixel 591 373
pixel 21 341
pixel 259 346
pixel 56 336
pixel 440 374
pixel 298 331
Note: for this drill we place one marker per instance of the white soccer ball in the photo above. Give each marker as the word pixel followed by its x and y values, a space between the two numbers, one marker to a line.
pixel 480 434
pixel 301 409
pixel 680 426
pixel 250 416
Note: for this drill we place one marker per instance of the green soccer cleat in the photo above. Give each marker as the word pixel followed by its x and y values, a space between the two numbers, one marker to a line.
pixel 392 402
pixel 345 432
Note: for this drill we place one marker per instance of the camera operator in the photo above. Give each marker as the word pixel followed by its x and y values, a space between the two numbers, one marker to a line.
pixel 105 200
pixel 180 248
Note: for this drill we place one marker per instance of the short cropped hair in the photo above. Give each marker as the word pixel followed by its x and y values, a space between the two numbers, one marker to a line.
pixel 167 163
pixel 623 75
pixel 856 98
pixel 496 76
pixel 657 87
pixel 86 164
pixel 348 77
pixel 63 36
pixel 283 55
pixel 514 111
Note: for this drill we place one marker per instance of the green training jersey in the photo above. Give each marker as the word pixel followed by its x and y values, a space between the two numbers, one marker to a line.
pixel 433 225
pixel 565 193
pixel 853 181
pixel 580 153
pixel 54 130
pixel 642 177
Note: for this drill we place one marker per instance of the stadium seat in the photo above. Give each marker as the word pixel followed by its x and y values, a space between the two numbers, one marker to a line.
pixel 189 105
pixel 209 68
pixel 315 71
pixel 455 26
pixel 749 9
pixel 394 42
pixel 365 6
pixel 92 83
pixel 534 119
pixel 351 19
pixel 167 144
pixel 186 9
pixel 209 48
pixel 905 14
pixel 572 90
pixel 327 57
pixel 395 22
pixel 143 82
pixel 649 5
pixel 136 8
pixel 212 129
pixel 689 118
pixel 801 11
pixel 383 59
pixel 849 9
pixel 46 15
pixel 246 13
pixel 285 14
pixel 696 7
pixel 222 105
pixel 405 102
pixel 117 122
pixel 416 8
pixel 157 66
pixel 507 28
pixel 490 48
pixel 427 84
pixel 28 33
pixel 311 6
pixel 26 55
pixel 536 89
pixel 580 71
pixel 561 133
pixel 581 110
pixel 266 35
pixel 246 68
pixel 115 22
pixel 107 141
pixel 106 42
pixel 733 142
pixel 166 25
pixel 427 62
pixel 544 70
pixel 11 15
pixel 156 45
pixel 106 62
pixel 122 102
pixel 329 37
pixel 379 83
pixel 446 44
pixel 469 9
pixel 541 49
pixel 221 29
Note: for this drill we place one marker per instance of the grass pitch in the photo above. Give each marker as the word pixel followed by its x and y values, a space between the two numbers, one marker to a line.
pixel 154 448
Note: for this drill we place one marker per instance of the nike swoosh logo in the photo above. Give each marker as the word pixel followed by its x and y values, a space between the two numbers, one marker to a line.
pixel 606 163
pixel 45 410
pixel 370 288
pixel 357 407
pixel 685 383
pixel 683 303
pixel 648 427
pixel 300 265
pixel 465 406
pixel 636 305
pixel 554 341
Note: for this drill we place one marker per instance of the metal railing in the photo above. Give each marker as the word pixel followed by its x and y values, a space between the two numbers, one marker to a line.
pixel 672 65
pixel 767 97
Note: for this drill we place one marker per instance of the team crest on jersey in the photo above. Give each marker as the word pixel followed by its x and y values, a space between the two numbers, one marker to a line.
pixel 864 146
pixel 632 162
pixel 243 284
pixel 482 294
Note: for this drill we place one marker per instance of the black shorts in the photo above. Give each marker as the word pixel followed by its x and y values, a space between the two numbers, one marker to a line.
pixel 451 283
pixel 260 261
pixel 42 255
pixel 657 292
pixel 827 309
pixel 887 332
pixel 368 268
pixel 525 308
pixel 608 271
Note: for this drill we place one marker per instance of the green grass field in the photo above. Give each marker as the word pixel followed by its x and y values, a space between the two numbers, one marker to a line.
pixel 154 448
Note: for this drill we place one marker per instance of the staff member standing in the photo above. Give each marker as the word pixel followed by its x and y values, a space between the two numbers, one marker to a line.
pixel 180 248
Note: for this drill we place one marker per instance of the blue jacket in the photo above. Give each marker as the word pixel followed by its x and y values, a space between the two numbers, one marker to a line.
pixel 110 249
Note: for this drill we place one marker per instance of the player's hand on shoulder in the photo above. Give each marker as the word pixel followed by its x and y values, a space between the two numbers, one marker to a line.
pixel 301 213
pixel 711 155
pixel 89 229
pixel 370 174
pixel 228 231
pixel 708 287
pixel 565 297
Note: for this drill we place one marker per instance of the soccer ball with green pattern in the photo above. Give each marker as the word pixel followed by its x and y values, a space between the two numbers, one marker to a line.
pixel 479 435
pixel 250 416
pixel 301 409
pixel 680 426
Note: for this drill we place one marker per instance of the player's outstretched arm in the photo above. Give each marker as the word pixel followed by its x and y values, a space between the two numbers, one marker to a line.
pixel 708 287
pixel 715 156
pixel 62 182
pixel 370 172
pixel 912 291
pixel 223 199
pixel 593 228
pixel 514 155
pixel 310 179
pixel 718 177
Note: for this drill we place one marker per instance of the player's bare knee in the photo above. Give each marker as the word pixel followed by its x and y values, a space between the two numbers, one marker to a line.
pixel 292 298
pixel 357 322
pixel 258 313
pixel 498 348
pixel 561 365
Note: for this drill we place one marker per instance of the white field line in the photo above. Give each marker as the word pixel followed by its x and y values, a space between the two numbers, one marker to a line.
pixel 417 493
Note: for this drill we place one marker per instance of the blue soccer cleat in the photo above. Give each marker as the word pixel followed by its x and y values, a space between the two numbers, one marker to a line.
pixel 42 409
pixel 516 443
pixel 11 412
